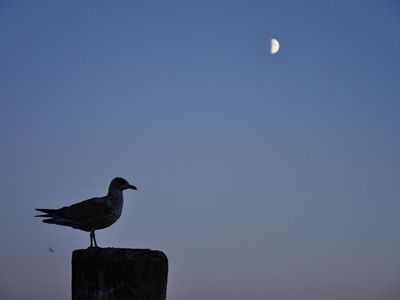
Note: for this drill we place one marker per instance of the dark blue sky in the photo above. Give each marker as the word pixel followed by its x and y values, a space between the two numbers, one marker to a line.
pixel 261 177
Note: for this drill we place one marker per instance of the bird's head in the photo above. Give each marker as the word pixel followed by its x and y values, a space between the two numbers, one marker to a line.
pixel 121 184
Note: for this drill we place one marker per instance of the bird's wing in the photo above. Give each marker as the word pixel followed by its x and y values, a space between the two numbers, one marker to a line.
pixel 85 210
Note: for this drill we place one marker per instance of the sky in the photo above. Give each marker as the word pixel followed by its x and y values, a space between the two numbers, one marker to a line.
pixel 260 176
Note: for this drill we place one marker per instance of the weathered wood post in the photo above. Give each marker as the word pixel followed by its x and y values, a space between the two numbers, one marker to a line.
pixel 119 274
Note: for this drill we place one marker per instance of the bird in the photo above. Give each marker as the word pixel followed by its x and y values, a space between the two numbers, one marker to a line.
pixel 92 214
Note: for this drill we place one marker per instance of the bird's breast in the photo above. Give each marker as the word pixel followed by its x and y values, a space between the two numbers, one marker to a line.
pixel 117 206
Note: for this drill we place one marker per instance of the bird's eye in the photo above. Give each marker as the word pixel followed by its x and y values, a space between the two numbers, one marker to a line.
pixel 122 182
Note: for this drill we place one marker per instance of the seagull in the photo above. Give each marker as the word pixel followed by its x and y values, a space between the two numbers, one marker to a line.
pixel 92 214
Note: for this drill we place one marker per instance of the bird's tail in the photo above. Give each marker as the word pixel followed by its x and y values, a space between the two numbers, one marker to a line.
pixel 49 213
pixel 54 217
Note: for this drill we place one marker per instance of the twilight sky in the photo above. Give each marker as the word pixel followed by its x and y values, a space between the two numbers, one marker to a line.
pixel 261 177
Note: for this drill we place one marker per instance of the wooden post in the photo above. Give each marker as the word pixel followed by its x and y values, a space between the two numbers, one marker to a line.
pixel 119 274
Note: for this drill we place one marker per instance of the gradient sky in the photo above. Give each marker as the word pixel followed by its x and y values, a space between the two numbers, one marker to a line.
pixel 260 176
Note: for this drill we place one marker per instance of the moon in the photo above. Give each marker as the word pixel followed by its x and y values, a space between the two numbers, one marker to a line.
pixel 274 46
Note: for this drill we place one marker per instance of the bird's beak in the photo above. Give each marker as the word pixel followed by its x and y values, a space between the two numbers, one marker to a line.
pixel 132 187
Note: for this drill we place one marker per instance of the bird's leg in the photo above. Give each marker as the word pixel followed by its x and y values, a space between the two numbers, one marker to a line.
pixel 91 239
pixel 94 238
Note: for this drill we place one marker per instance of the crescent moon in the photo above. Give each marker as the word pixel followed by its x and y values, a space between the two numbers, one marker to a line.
pixel 274 46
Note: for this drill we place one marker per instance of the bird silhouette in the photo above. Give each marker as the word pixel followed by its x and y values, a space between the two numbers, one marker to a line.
pixel 92 214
